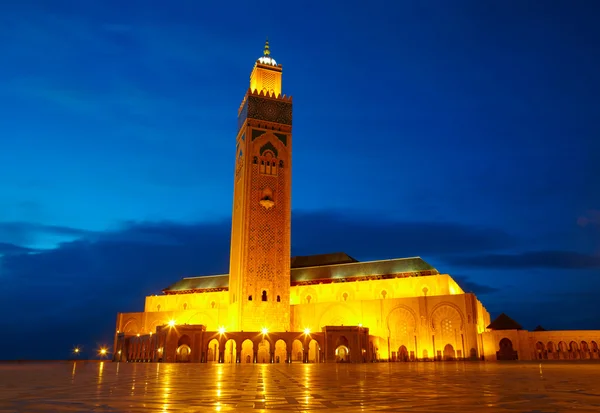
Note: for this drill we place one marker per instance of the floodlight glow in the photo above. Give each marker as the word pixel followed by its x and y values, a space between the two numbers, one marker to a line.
pixel 307 331
pixel 221 330
pixel 171 323
pixel 265 331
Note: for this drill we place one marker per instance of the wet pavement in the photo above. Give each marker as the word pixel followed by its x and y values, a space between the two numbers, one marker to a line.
pixel 389 387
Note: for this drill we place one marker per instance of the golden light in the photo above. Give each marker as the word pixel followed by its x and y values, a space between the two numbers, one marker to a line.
pixel 76 350
pixel 360 324
pixel 138 334
pixel 103 351
pixel 307 331
pixel 221 330
pixel 151 334
pixel 265 331
pixel 171 323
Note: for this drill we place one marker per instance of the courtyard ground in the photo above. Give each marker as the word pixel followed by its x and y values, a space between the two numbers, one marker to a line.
pixel 390 387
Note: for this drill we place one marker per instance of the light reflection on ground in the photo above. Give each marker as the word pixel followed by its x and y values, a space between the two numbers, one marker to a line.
pixel 415 387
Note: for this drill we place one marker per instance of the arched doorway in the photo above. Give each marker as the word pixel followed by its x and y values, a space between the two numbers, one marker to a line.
pixel 506 351
pixel 573 350
pixel 585 350
pixel 473 354
pixel 402 353
pixel 313 351
pixel 550 349
pixel 594 349
pixel 449 353
pixel 212 355
pixel 184 349
pixel 297 351
pixel 540 352
pixel 280 351
pixel 342 350
pixel 247 351
pixel 263 354
pixel 230 351
pixel 563 351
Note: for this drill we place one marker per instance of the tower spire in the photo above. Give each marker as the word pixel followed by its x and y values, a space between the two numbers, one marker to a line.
pixel 267 51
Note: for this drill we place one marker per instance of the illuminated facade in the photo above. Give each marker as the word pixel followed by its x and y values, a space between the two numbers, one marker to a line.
pixel 274 308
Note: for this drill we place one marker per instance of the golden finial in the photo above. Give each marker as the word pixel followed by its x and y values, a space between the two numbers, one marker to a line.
pixel 267 51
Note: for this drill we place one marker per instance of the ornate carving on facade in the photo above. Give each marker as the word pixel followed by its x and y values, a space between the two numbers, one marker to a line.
pixel 270 110
pixel 446 311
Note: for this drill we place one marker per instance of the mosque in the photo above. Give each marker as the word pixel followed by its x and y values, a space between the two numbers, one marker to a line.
pixel 274 308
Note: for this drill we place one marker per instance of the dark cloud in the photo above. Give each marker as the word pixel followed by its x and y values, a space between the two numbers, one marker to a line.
pixel 470 286
pixel 536 259
pixel 7 248
pixel 370 237
pixel 24 233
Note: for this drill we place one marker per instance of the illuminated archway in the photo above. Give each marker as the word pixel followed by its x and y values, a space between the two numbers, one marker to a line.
pixel 280 351
pixel 313 351
pixel 230 351
pixel 402 353
pixel 263 354
pixel 183 354
pixel 342 350
pixel 247 355
pixel 449 353
pixel 212 355
pixel 297 351
pixel 184 349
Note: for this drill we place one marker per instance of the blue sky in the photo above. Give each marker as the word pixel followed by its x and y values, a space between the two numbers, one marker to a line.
pixel 464 132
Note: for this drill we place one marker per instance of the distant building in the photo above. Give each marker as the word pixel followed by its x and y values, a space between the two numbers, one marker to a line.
pixel 324 308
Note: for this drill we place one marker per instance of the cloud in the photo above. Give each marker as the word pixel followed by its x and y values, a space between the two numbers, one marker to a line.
pixel 591 218
pixel 536 259
pixel 470 286
pixel 6 249
pixel 26 233
pixel 376 237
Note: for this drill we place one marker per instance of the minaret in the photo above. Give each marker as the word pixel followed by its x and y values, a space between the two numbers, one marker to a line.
pixel 259 270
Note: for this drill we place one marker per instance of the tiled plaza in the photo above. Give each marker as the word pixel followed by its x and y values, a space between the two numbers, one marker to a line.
pixel 394 387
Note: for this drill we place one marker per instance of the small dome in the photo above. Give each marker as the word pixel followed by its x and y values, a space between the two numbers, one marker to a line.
pixel 266 59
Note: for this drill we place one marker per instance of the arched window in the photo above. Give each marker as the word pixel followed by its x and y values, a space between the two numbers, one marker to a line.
pixel 158 307
pixel 264 295
pixel 212 304
pixel 185 306
pixel 345 296
pixel 249 298
pixel 268 166
pixel 308 298
pixel 383 293
pixel 278 299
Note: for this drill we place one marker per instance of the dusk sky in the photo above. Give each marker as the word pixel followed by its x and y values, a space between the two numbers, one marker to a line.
pixel 464 132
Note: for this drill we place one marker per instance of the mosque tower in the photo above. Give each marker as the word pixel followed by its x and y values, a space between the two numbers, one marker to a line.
pixel 259 270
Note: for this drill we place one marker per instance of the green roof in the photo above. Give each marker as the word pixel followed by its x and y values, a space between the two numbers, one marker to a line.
pixel 321 259
pixel 350 271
